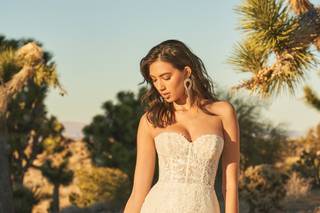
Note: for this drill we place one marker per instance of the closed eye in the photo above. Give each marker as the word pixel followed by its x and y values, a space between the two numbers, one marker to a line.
pixel 165 78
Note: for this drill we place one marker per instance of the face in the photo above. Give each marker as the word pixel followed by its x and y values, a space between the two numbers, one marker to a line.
pixel 168 80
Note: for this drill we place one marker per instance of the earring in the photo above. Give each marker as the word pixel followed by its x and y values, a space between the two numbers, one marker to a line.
pixel 188 87
pixel 186 81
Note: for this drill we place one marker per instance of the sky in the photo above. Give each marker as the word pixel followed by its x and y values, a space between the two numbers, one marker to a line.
pixel 97 46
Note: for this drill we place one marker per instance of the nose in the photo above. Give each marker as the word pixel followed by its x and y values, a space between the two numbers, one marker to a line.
pixel 161 86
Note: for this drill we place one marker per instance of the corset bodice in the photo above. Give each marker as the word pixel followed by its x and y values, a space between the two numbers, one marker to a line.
pixel 187 162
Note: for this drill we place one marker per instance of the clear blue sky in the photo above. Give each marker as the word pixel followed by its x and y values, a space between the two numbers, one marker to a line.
pixel 98 44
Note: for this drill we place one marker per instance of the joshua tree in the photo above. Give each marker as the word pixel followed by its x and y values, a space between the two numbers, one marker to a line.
pixel 29 56
pixel 57 176
pixel 277 48
pixel 29 60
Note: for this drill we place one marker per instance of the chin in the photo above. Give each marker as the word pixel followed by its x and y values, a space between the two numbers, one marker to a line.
pixel 168 99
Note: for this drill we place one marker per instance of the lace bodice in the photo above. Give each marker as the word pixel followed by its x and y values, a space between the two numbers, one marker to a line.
pixel 187 172
pixel 188 162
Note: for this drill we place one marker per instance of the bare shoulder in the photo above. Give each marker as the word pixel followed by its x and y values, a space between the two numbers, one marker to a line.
pixel 223 109
pixel 145 125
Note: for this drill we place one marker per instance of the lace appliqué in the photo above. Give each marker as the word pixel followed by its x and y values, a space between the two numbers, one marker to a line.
pixel 187 172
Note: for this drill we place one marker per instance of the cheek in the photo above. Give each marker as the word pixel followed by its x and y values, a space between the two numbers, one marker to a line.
pixel 176 86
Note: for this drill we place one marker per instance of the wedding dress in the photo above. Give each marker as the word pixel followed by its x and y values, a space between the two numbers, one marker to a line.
pixel 187 172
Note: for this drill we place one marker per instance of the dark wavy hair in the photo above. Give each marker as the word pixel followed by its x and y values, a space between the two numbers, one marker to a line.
pixel 159 112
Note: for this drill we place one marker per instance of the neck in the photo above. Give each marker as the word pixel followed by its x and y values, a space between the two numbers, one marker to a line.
pixel 183 104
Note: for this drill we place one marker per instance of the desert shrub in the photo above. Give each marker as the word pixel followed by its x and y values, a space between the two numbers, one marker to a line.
pixel 100 185
pixel 308 165
pixel 262 188
pixel 297 186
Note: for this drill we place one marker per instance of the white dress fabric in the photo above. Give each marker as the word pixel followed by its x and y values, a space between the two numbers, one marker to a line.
pixel 187 172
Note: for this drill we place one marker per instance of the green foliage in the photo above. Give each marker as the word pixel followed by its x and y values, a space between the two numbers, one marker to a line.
pixel 111 137
pixel 272 50
pixel 249 57
pixel 101 185
pixel 60 174
pixel 262 188
pixel 7 62
pixel 111 140
pixel 267 22
pixel 24 199
pixel 55 167
pixel 45 73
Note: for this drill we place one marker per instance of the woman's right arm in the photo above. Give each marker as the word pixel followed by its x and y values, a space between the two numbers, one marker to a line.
pixel 144 169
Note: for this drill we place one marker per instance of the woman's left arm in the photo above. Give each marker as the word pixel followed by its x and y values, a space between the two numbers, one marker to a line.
pixel 230 158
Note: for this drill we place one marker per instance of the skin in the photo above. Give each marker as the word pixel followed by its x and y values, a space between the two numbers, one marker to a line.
pixel 192 123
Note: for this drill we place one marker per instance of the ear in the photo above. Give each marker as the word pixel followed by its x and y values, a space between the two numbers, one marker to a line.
pixel 188 71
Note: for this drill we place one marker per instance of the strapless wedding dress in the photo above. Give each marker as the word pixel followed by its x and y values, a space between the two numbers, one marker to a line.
pixel 187 172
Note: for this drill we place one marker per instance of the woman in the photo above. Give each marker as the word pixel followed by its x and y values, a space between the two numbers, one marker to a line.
pixel 190 130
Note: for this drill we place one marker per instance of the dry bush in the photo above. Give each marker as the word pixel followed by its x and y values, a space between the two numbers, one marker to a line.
pixel 297 187
pixel 262 188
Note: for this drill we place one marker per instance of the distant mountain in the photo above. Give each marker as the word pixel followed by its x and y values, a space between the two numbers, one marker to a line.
pixel 73 129
pixel 295 133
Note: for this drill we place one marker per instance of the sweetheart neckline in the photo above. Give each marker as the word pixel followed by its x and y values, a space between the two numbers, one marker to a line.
pixel 190 142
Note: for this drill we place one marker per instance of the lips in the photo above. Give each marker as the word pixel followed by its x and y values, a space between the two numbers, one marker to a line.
pixel 165 94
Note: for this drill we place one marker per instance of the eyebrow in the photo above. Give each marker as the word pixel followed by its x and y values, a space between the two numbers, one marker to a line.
pixel 162 74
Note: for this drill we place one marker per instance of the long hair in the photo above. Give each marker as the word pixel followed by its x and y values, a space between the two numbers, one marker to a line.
pixel 159 112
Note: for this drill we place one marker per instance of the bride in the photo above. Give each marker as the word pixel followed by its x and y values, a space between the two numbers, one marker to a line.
pixel 190 130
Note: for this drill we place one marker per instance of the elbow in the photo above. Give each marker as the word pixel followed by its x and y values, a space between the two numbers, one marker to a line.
pixel 133 204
